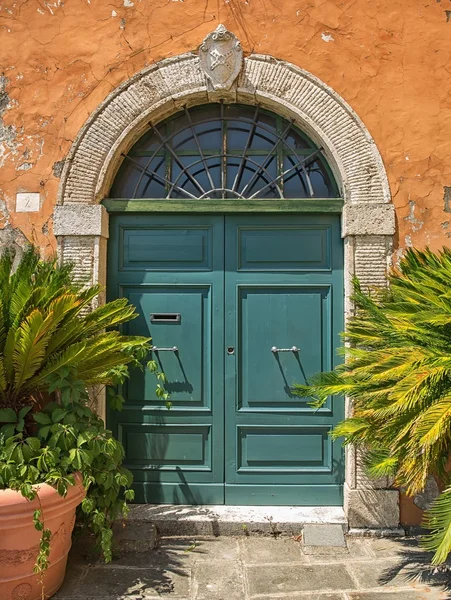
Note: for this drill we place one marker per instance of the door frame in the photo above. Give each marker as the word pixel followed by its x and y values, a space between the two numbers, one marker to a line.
pixel 368 219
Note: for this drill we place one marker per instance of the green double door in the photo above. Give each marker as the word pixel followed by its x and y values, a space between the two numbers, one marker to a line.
pixel 240 308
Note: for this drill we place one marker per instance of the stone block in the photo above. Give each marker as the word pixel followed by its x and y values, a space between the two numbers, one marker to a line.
pixel 367 218
pixel 270 550
pixel 218 581
pixel 28 202
pixel 133 537
pixel 372 508
pixel 284 579
pixel 77 219
pixel 323 535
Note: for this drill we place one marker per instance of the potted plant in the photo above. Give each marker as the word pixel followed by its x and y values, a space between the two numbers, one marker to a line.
pixel 397 371
pixel 55 452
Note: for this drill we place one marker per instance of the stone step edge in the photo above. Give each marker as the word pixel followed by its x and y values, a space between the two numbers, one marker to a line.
pixel 227 521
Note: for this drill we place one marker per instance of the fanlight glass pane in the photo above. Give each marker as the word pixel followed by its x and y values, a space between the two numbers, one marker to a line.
pixel 224 151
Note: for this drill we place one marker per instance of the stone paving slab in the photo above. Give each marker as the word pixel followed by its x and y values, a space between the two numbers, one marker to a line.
pixel 398 595
pixel 222 580
pixel 267 550
pixel 309 596
pixel 281 578
pixel 256 568
pixel 323 535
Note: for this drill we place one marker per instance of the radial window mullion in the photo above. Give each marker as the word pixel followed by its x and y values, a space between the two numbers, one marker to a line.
pixel 225 151
pixel 168 159
pixel 280 152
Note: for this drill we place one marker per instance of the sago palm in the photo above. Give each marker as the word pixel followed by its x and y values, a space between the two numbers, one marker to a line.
pixel 44 327
pixel 397 370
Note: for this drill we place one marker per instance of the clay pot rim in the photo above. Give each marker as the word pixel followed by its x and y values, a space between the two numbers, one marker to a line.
pixel 13 503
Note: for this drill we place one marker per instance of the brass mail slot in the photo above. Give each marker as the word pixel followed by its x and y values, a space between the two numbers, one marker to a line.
pixel 165 317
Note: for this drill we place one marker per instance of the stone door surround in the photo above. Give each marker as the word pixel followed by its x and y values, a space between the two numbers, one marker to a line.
pixel 368 220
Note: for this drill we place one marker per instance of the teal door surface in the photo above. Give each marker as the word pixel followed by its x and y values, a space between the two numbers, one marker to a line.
pixel 241 307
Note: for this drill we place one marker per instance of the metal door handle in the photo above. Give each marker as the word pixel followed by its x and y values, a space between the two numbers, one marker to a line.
pixel 158 349
pixel 274 349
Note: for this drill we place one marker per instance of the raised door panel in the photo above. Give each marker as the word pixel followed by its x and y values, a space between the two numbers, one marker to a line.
pixel 174 316
pixel 166 248
pixel 280 317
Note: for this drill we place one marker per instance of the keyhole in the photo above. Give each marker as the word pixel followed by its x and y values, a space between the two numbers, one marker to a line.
pixel 230 350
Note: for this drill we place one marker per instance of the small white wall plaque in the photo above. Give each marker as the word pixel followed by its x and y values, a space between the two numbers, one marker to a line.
pixel 28 202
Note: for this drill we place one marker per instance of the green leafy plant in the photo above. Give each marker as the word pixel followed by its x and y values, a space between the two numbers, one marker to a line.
pixel 54 347
pixel 69 437
pixel 397 370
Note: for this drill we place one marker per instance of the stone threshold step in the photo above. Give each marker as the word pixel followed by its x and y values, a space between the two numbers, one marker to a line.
pixel 183 520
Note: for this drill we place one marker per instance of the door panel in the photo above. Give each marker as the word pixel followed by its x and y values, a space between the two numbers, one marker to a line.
pixel 278 449
pixel 280 316
pixel 171 269
pixel 187 370
pixel 288 247
pixel 166 247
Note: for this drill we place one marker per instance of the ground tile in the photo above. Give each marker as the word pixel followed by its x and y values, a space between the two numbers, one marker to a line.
pixel 201 548
pixel 428 594
pixel 386 547
pixel 356 551
pixel 310 596
pixel 323 535
pixel 393 573
pixel 221 580
pixel 122 582
pixel 279 578
pixel 258 550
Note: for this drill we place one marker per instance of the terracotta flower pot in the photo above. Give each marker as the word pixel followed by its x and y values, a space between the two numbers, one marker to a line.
pixel 19 540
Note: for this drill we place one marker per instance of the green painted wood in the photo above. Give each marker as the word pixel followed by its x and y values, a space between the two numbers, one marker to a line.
pixel 244 282
pixel 281 292
pixel 316 205
pixel 173 265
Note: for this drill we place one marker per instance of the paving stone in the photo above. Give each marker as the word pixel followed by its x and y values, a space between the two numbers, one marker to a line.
pixel 218 581
pixel 269 550
pixel 325 551
pixel 122 582
pixel 198 549
pixel 74 575
pixel 356 550
pixel 135 537
pixel 384 547
pixel 379 573
pixel 323 535
pixel 280 578
pixel 428 594
pixel 306 596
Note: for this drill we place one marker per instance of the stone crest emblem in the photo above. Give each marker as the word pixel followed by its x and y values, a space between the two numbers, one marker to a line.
pixel 221 58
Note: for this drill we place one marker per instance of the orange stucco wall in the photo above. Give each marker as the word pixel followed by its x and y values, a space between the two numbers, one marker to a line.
pixel 389 59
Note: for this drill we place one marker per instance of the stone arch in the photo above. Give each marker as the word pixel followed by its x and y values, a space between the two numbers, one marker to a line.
pixel 368 221
pixel 158 91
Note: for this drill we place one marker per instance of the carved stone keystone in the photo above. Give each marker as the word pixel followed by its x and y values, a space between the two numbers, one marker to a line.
pixel 221 58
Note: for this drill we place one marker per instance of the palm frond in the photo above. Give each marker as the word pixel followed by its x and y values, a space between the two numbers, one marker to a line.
pixel 438 520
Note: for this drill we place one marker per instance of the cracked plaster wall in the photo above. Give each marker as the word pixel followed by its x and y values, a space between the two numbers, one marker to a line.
pixel 389 59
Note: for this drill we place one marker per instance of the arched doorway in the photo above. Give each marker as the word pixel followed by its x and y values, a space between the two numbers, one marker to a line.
pixel 240 303
pixel 367 224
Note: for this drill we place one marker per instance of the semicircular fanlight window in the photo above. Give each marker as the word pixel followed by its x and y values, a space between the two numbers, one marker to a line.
pixel 224 151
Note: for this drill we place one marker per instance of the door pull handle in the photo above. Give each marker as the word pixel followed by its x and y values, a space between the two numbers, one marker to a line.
pixel 274 349
pixel 158 349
